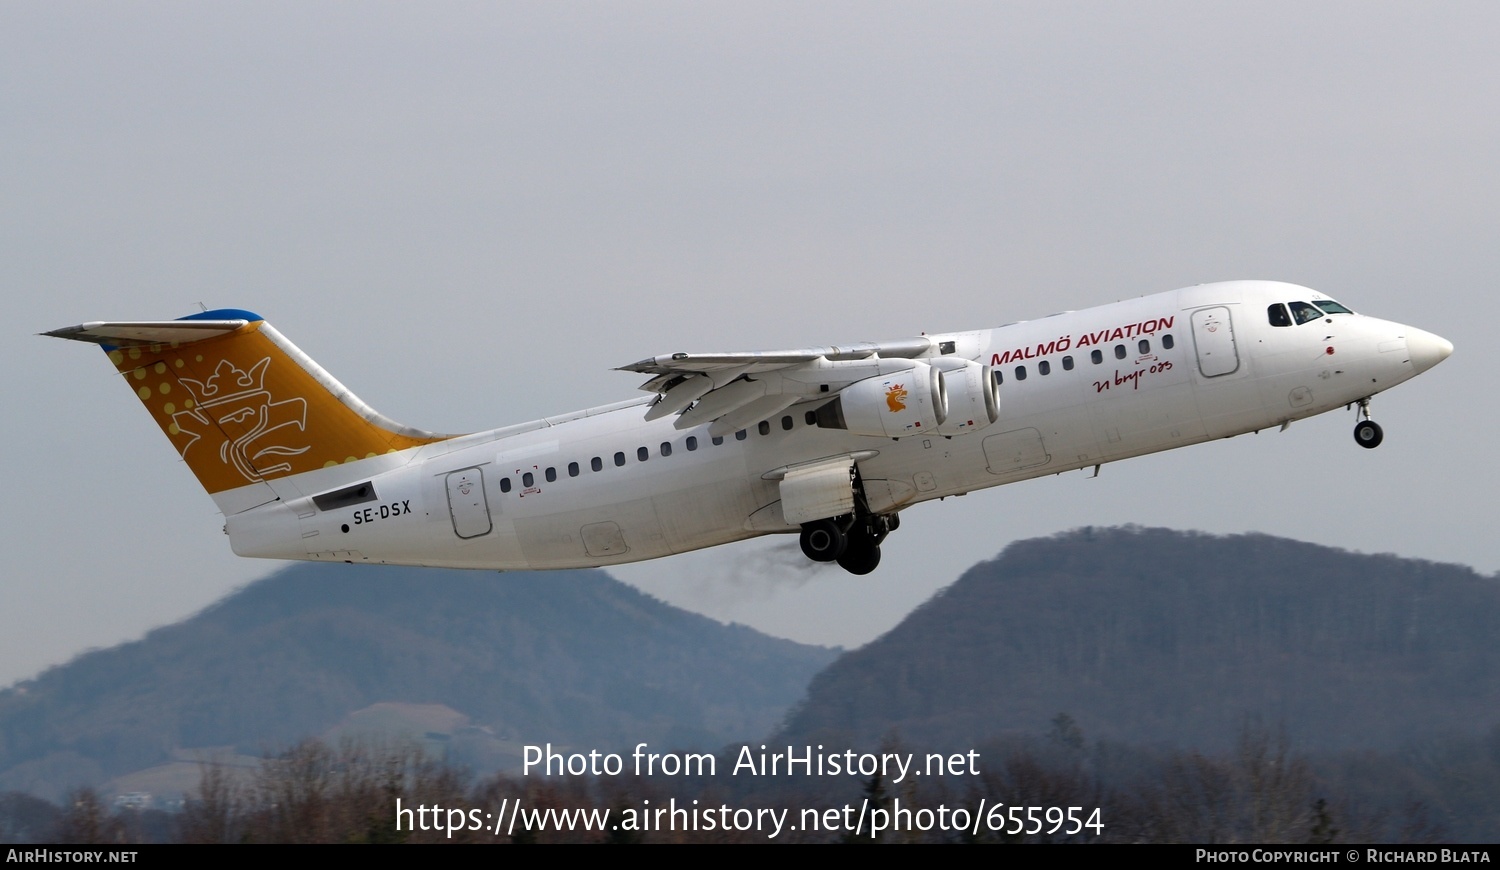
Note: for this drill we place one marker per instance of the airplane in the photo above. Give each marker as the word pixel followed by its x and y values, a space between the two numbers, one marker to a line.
pixel 830 443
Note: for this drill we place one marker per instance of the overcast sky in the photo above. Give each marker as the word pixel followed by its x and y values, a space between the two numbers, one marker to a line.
pixel 471 212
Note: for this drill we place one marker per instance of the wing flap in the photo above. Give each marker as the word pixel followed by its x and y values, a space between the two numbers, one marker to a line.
pixel 679 397
pixel 720 402
pixel 760 409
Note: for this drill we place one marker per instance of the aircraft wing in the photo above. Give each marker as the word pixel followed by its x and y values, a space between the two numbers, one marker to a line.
pixel 735 390
pixel 765 360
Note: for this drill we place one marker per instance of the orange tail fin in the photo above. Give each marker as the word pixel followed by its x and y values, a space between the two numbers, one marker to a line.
pixel 241 403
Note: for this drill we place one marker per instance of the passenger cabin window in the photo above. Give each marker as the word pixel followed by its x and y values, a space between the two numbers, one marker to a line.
pixel 692 443
pixel 1044 367
pixel 528 479
pixel 1278 316
pixel 810 418
pixel 1097 356
pixel 1167 342
pixel 741 435
pixel 764 427
pixel 666 448
pixel 551 475
pixel 572 469
pixel 1120 351
pixel 619 459
pixel 1305 313
pixel 786 423
pixel 596 463
pixel 505 484
pixel 1144 346
pixel 718 439
pixel 999 376
pixel 1020 373
pixel 642 454
pixel 1067 364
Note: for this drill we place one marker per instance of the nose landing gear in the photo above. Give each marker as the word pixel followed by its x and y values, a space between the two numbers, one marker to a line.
pixel 1367 433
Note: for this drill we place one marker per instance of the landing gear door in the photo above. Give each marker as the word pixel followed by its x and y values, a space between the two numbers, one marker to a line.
pixel 1213 336
pixel 467 503
pixel 818 490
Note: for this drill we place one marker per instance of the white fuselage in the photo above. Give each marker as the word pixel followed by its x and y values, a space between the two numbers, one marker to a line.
pixel 606 486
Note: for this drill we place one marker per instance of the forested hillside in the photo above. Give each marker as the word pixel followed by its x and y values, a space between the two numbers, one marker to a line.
pixel 570 657
pixel 1166 638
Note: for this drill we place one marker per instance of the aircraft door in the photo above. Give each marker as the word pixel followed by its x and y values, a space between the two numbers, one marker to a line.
pixel 1213 336
pixel 467 503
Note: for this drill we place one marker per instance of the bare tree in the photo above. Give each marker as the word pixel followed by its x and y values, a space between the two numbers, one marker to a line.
pixel 86 820
pixel 213 814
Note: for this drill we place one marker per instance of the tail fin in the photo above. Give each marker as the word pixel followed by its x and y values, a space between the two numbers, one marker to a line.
pixel 242 404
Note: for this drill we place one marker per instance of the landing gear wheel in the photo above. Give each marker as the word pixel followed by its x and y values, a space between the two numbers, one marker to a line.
pixel 1368 434
pixel 861 556
pixel 823 540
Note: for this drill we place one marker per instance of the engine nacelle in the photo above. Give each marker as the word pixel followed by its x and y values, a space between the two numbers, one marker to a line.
pixel 906 402
pixel 973 398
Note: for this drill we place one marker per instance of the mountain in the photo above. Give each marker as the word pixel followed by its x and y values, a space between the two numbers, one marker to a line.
pixel 1156 637
pixel 477 662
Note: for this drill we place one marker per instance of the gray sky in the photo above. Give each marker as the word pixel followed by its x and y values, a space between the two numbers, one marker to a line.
pixel 471 212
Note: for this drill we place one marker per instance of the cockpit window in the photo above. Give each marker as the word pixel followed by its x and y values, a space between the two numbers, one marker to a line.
pixel 1304 313
pixel 1331 307
pixel 1277 314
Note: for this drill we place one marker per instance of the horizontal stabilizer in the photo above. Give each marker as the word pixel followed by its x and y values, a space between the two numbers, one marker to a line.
pixel 140 333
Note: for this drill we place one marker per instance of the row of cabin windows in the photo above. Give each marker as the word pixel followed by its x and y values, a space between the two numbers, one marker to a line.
pixel 642 454
pixel 528 479
pixel 1096 356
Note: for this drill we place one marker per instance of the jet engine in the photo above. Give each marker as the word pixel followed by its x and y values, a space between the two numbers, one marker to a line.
pixel 973 398
pixel 906 402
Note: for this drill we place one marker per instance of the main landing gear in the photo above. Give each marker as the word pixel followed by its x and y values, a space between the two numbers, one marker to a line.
pixel 851 540
pixel 1367 433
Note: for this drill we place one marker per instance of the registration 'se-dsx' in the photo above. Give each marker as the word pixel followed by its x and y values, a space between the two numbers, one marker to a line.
pixel 829 442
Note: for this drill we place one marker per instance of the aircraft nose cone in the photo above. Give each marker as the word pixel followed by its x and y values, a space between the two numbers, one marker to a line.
pixel 1426 350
